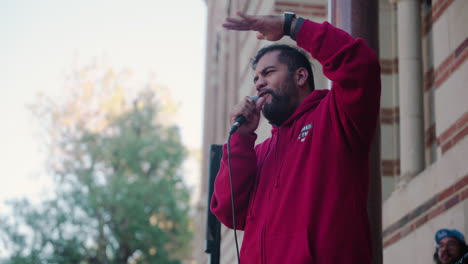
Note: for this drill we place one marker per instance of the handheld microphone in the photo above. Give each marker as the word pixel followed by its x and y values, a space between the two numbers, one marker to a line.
pixel 241 119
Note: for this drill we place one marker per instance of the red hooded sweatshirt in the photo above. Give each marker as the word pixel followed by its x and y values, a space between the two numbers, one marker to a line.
pixel 301 195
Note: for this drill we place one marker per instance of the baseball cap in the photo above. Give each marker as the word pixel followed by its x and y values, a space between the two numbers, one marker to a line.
pixel 443 233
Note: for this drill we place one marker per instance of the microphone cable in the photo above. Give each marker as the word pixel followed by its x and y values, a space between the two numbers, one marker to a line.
pixel 232 196
pixel 238 122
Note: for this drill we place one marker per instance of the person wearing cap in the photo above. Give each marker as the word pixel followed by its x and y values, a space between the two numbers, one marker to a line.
pixel 451 246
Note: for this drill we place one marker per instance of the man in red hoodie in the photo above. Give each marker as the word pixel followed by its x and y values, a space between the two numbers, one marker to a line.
pixel 301 195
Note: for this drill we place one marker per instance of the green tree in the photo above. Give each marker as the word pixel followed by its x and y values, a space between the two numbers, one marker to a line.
pixel 116 160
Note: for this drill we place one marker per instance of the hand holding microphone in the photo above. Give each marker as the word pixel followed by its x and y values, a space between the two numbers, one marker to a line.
pixel 245 116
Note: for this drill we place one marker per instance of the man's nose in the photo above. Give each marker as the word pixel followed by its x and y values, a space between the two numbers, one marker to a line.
pixel 261 83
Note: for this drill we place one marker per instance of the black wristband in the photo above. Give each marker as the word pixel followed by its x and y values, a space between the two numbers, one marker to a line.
pixel 288 17
pixel 299 22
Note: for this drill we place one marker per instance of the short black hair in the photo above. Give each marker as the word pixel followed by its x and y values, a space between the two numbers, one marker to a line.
pixel 293 57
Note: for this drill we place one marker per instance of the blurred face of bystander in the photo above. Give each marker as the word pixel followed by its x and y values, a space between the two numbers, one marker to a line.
pixel 449 250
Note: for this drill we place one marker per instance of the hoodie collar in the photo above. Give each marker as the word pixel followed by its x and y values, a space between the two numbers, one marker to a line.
pixel 310 103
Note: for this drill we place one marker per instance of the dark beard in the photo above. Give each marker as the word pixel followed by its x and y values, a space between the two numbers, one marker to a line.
pixel 282 106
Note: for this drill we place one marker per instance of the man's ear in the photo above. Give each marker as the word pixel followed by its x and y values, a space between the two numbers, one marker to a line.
pixel 301 77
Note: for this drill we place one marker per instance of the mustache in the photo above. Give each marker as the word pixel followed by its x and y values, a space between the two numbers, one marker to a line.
pixel 271 92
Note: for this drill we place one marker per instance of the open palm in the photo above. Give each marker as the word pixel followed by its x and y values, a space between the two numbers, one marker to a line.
pixel 267 27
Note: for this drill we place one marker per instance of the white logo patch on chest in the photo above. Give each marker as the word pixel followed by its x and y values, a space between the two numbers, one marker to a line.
pixel 304 132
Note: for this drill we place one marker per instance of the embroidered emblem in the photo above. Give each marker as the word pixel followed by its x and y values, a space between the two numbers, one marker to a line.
pixel 304 132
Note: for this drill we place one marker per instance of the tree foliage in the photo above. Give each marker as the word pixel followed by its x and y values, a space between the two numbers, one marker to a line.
pixel 116 160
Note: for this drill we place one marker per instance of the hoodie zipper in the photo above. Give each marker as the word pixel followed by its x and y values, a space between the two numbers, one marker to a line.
pixel 265 223
pixel 278 160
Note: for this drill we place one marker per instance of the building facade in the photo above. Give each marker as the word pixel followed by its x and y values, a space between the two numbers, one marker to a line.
pixel 423 46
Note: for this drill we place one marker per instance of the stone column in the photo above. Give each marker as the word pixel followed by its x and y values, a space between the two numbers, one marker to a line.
pixel 410 89
pixel 360 19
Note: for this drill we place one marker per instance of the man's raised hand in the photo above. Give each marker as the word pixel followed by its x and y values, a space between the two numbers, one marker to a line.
pixel 267 27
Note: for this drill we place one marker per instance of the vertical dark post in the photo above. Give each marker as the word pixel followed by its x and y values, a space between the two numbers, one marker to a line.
pixel 213 226
pixel 374 201
pixel 360 19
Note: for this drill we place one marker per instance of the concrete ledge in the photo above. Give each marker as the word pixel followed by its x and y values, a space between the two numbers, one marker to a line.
pixel 444 173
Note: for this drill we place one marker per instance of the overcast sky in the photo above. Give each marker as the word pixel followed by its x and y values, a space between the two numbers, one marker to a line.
pixel 39 41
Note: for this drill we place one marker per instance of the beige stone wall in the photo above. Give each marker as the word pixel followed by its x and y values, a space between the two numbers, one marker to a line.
pixel 436 197
pixel 389 110
pixel 419 246
pixel 412 212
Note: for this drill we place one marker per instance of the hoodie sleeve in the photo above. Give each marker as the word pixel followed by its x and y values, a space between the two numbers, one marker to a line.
pixel 243 168
pixel 354 69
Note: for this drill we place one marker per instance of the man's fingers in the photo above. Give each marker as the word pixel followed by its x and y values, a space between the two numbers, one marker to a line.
pixel 247 108
pixel 259 104
pixel 249 103
pixel 260 36
pixel 246 17
pixel 250 108
pixel 245 22
pixel 236 26
pixel 235 20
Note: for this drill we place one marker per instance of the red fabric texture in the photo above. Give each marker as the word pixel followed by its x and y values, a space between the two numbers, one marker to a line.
pixel 301 195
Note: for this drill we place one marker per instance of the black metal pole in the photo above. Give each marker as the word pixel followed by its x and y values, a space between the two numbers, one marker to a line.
pixel 213 226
